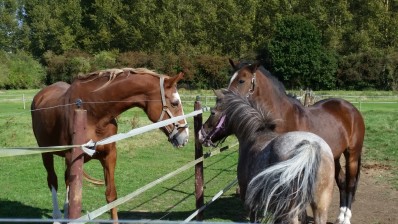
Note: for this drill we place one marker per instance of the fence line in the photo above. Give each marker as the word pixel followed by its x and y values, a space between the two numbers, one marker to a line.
pixel 86 147
pixel 5 152
pixel 215 197
pixel 119 201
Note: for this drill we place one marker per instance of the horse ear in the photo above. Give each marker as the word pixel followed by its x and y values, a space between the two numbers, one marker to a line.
pixel 176 78
pixel 218 93
pixel 232 63
pixel 255 67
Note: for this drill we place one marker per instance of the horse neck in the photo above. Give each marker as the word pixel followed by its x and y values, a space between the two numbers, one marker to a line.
pixel 250 145
pixel 272 97
pixel 123 93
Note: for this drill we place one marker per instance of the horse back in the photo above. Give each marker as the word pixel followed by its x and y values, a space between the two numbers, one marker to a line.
pixel 338 122
pixel 47 111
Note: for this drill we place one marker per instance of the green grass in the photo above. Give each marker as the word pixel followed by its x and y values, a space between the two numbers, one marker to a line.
pixel 146 157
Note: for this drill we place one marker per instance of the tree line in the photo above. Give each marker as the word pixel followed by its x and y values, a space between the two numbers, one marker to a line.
pixel 330 44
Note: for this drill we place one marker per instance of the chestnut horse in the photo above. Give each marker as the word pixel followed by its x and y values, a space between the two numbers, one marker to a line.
pixel 279 175
pixel 337 121
pixel 105 95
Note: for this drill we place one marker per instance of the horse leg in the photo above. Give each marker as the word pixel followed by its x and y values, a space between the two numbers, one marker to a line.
pixel 68 163
pixel 321 205
pixel 52 182
pixel 341 184
pixel 352 175
pixel 109 164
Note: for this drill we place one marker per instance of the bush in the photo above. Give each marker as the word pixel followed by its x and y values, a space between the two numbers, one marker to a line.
pixel 20 71
pixel 297 56
pixel 104 60
pixel 201 72
pixel 369 70
pixel 67 66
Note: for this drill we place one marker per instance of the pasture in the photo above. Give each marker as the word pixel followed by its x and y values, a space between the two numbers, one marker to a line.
pixel 146 157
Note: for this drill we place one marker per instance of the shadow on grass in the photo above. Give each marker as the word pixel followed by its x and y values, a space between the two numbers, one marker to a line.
pixel 15 209
pixel 228 209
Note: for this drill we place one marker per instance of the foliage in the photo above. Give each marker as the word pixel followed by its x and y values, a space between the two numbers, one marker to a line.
pixel 297 56
pixel 20 71
pixel 182 30
pixel 369 70
pixel 67 66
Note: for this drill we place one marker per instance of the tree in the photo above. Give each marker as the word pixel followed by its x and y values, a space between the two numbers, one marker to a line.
pixel 297 56
pixel 8 24
pixel 54 25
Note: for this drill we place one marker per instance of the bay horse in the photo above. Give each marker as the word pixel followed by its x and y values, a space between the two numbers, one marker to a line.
pixel 279 175
pixel 104 95
pixel 337 121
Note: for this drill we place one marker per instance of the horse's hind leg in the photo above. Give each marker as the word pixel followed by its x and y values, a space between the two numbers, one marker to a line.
pixel 52 182
pixel 340 178
pixel 352 176
pixel 347 183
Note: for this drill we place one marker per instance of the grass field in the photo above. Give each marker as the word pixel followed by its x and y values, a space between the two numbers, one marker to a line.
pixel 146 157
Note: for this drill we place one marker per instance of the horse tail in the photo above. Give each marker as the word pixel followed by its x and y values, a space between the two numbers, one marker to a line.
pixel 92 179
pixel 283 190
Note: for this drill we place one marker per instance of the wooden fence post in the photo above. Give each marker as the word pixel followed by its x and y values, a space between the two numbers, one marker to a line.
pixel 76 168
pixel 199 194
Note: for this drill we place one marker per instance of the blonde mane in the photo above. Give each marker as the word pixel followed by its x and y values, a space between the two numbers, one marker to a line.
pixel 115 72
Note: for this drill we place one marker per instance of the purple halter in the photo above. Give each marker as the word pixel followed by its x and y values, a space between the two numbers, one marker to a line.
pixel 220 126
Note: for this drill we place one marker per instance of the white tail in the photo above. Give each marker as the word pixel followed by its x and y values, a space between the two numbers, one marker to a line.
pixel 283 190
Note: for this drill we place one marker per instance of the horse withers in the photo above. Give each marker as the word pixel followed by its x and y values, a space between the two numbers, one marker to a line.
pixel 335 120
pixel 105 95
pixel 279 175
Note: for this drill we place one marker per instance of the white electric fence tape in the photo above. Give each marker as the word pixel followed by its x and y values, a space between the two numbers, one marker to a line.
pixel 17 151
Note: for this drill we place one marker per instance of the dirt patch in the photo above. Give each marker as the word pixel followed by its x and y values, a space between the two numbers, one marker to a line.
pixel 376 201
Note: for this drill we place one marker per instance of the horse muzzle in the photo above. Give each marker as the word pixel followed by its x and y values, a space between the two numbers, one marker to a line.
pixel 179 136
pixel 204 138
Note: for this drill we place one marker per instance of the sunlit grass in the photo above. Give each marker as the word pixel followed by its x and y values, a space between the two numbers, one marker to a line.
pixel 144 158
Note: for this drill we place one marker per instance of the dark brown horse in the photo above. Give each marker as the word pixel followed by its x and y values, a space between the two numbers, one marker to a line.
pixel 105 95
pixel 337 121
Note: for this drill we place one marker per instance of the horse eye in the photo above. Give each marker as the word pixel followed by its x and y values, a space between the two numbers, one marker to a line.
pixel 241 81
pixel 175 103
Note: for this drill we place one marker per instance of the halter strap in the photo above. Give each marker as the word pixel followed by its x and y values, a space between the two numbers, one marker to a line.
pixel 220 126
pixel 165 110
pixel 253 84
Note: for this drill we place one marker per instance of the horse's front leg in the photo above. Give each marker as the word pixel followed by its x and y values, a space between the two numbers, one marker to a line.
pixel 68 164
pixel 109 164
pixel 48 162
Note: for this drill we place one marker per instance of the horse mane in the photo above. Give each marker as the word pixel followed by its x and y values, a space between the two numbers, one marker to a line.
pixel 115 72
pixel 247 116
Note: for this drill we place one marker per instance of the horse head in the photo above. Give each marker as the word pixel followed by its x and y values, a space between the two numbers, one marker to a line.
pixel 213 130
pixel 243 79
pixel 167 107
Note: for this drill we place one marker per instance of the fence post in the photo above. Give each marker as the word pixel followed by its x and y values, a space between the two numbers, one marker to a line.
pixel 77 160
pixel 23 99
pixel 199 194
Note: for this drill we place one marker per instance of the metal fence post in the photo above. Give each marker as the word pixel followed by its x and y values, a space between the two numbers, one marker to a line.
pixel 199 193
pixel 77 160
